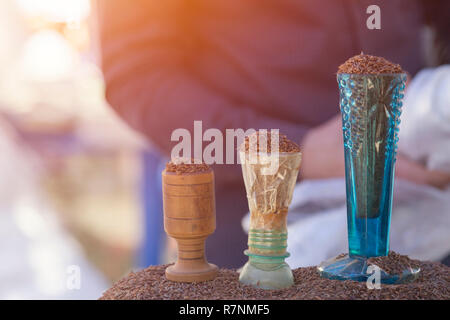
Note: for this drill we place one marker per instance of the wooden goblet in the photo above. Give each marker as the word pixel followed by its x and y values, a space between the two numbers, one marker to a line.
pixel 189 218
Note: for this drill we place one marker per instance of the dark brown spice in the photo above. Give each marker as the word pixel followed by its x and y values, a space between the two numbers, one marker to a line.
pixel 262 141
pixel 183 166
pixel 150 283
pixel 367 64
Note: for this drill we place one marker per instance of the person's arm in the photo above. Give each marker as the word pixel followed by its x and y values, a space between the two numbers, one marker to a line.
pixel 323 157
pixel 149 52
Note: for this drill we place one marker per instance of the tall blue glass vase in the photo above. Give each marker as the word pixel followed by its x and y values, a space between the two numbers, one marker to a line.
pixel 370 107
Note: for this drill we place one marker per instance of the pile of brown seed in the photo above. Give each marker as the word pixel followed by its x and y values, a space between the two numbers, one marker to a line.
pixel 367 64
pixel 262 141
pixel 393 263
pixel 183 166
pixel 150 283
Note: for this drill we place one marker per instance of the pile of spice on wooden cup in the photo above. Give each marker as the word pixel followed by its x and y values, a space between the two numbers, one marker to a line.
pixel 189 217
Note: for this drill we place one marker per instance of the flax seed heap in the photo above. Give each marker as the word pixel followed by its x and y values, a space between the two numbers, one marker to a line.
pixel 393 263
pixel 150 283
pixel 367 64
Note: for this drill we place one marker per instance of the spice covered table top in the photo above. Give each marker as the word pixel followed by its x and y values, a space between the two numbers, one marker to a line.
pixel 150 283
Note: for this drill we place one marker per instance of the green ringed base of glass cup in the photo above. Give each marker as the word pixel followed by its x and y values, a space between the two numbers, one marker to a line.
pixel 266 259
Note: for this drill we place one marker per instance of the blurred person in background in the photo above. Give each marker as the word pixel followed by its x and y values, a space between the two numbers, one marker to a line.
pixel 254 64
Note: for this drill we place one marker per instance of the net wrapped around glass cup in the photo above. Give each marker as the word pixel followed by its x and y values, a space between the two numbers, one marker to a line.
pixel 269 181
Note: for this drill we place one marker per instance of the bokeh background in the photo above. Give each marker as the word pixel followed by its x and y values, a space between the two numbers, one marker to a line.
pixel 72 184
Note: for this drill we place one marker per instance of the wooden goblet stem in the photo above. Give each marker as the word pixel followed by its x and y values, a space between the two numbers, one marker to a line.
pixel 189 218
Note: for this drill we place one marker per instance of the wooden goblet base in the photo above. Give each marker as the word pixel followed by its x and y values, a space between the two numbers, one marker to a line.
pixel 205 272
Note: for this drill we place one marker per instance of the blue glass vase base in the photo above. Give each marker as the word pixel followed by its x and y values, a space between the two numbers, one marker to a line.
pixel 345 267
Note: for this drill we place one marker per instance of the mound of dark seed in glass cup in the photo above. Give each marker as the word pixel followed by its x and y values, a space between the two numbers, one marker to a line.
pixel 150 283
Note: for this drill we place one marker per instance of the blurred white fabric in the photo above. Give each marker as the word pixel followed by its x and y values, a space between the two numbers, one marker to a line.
pixel 39 260
pixel 425 128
